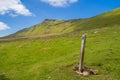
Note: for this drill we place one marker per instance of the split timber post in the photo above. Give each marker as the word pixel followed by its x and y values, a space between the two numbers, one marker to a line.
pixel 82 53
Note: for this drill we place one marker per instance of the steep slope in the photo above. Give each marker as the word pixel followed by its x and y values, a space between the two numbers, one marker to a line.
pixel 55 27
pixel 107 19
pixel 47 27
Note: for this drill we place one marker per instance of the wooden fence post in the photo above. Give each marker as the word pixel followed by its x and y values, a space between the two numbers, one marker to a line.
pixel 82 53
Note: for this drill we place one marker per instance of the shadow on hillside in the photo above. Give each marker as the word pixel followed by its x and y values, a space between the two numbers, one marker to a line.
pixel 3 77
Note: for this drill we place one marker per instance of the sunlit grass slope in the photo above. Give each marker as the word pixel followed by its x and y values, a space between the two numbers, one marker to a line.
pixel 54 58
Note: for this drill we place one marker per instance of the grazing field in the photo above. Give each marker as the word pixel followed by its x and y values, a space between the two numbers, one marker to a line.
pixel 54 57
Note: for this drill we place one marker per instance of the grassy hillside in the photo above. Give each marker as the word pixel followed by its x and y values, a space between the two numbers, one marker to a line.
pixel 54 57
pixel 57 27
pixel 47 27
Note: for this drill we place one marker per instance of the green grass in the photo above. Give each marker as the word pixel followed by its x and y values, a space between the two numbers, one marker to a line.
pixel 54 58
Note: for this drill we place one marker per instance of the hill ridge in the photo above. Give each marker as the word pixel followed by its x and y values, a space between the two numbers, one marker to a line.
pixel 54 26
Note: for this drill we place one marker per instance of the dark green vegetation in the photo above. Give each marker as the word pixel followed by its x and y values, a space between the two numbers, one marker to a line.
pixel 54 57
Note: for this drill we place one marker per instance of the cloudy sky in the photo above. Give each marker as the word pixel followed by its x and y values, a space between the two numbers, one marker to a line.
pixel 18 14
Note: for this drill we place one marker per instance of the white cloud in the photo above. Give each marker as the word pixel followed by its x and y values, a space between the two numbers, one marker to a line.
pixel 13 7
pixel 3 26
pixel 59 3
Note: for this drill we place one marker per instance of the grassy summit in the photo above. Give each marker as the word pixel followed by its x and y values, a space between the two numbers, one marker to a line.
pixel 54 57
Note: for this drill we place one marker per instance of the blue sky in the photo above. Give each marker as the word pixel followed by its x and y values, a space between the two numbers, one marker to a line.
pixel 18 14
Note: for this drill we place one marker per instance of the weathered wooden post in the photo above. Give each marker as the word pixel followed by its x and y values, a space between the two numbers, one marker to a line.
pixel 82 53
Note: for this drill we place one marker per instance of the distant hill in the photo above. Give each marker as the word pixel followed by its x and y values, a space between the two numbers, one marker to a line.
pixel 57 27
